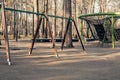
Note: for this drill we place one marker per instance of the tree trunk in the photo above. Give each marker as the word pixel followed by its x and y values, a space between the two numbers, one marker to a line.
pixel 45 22
pixel 103 5
pixel 68 13
pixel 36 17
pixel 55 12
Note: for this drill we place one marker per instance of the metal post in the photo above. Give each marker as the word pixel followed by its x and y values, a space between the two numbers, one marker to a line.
pixel 68 24
pixel 90 29
pixel 6 35
pixel 79 35
pixel 50 32
pixel 36 33
pixel 113 38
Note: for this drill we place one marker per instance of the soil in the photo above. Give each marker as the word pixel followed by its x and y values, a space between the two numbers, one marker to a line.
pixel 96 63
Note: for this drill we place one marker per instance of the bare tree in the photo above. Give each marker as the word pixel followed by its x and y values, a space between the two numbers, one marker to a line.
pixel 55 20
pixel 103 5
pixel 68 13
pixel 36 17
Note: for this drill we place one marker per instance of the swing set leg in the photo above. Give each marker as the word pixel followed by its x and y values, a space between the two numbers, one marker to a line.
pixel 36 32
pixel 79 36
pixel 68 24
pixel 6 35
pixel 53 41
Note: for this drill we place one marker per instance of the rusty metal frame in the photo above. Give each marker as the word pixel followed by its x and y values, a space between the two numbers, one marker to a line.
pixel 37 31
pixel 6 34
pixel 70 20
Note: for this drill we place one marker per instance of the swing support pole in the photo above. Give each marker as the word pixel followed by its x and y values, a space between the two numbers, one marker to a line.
pixel 113 38
pixel 36 33
pixel 50 33
pixel 6 34
pixel 70 20
pixel 66 30
pixel 78 35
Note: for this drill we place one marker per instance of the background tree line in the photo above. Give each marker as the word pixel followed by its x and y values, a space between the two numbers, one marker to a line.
pixel 25 24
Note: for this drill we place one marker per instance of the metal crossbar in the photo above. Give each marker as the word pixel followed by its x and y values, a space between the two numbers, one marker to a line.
pixel 29 12
pixel 100 14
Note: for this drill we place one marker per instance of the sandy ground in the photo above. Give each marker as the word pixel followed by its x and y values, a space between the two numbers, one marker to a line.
pixel 97 63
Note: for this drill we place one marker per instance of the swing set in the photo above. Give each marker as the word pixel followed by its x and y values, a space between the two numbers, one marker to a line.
pixel 42 17
pixel 50 32
pixel 100 31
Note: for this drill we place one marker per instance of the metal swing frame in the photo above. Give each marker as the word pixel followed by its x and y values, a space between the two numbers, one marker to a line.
pixel 6 34
pixel 50 33
pixel 70 20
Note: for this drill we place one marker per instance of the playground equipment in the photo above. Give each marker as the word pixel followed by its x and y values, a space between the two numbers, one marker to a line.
pixel 40 21
pixel 102 26
pixel 50 32
pixel 37 31
pixel 6 35
pixel 43 16
pixel 48 24
pixel 70 20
